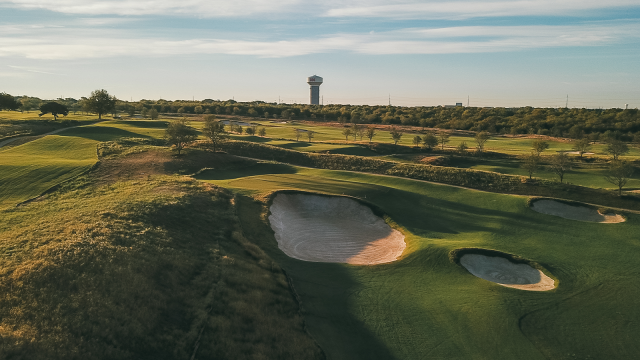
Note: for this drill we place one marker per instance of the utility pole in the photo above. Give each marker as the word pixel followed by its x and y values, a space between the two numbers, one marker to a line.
pixel 566 105
pixel 467 100
pixel 389 99
pixel 322 100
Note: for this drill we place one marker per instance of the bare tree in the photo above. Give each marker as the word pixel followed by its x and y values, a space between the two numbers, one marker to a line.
pixel 619 174
pixel 371 132
pixel 531 163
pixel 346 132
pixel 481 139
pixel 310 134
pixel 560 164
pixel 297 133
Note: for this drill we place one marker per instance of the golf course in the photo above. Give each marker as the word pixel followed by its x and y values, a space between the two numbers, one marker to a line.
pixel 114 246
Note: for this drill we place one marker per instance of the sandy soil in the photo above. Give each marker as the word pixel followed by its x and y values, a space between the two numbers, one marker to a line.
pixel 504 272
pixel 580 213
pixel 332 229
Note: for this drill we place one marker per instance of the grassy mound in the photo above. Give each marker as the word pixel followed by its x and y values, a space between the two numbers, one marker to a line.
pixel 154 269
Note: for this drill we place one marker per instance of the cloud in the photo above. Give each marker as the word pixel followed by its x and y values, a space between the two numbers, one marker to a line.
pixel 74 43
pixel 394 9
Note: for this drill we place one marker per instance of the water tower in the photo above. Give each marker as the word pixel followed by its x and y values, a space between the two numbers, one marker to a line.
pixel 315 82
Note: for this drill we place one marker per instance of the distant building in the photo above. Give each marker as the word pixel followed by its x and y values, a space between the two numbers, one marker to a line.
pixel 314 81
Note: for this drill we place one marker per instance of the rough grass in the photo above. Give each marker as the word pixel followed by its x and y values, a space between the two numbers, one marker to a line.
pixel 154 269
pixel 426 306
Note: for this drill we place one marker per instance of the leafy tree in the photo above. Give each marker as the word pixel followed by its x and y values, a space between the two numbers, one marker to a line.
pixel 619 174
pixel 54 108
pixel 560 164
pixel 531 163
pixel 443 138
pixel 430 141
pixel 100 102
pixel 371 132
pixel 581 146
pixel 250 130
pixel 346 132
pixel 214 131
pixel 131 110
pixel 396 135
pixel 539 146
pixel 297 133
pixel 198 109
pixel 180 134
pixel 355 128
pixel 153 114
pixel 262 131
pixel 310 135
pixel 181 110
pixel 616 148
pixel 481 139
pixel 417 140
pixel 462 147
pixel 361 131
pixel 144 112
pixel 8 102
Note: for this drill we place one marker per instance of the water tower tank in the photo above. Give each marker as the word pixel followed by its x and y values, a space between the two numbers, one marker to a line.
pixel 314 81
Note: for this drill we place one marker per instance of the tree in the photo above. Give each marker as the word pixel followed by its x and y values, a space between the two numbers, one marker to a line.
pixel 539 146
pixel 310 134
pixel 481 139
pixel 297 133
pixel 396 135
pixel 250 130
pixel 153 114
pixel 371 132
pixel 100 102
pixel 8 102
pixel 361 131
pixel 54 108
pixel 429 141
pixel 531 163
pixel 262 131
pixel 616 148
pixel 346 132
pixel 355 128
pixel 144 112
pixel 560 164
pixel 619 174
pixel 417 140
pixel 198 110
pixel 462 148
pixel 443 138
pixel 581 146
pixel 214 131
pixel 180 134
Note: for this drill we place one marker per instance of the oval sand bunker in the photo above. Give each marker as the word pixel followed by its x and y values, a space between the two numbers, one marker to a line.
pixel 504 272
pixel 332 229
pixel 574 212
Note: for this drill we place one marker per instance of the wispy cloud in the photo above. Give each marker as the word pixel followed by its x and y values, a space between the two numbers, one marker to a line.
pixel 32 70
pixel 73 43
pixel 395 9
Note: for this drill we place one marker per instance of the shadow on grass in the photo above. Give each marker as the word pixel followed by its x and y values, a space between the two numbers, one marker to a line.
pixel 323 290
pixel 254 170
pixel 295 145
pixel 100 133
pixel 147 124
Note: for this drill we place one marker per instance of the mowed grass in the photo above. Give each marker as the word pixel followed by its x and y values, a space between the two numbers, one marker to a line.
pixel 424 306
pixel 33 115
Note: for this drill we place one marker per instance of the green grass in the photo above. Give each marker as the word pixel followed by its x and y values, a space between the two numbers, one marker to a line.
pixel 424 306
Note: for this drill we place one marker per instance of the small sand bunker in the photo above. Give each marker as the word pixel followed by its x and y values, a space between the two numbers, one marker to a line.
pixel 574 212
pixel 332 229
pixel 504 272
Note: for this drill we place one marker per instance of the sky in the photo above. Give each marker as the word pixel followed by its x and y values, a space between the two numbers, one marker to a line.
pixel 543 53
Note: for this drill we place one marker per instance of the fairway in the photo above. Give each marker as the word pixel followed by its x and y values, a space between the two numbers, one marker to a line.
pixel 425 306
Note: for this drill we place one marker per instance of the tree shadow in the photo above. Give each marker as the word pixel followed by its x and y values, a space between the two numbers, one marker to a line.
pixel 253 170
pixel 100 133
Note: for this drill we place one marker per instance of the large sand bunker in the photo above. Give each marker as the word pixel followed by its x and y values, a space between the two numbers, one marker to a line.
pixel 506 273
pixel 332 229
pixel 574 212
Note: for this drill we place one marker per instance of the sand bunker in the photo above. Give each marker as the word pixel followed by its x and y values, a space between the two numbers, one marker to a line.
pixel 332 229
pixel 504 272
pixel 574 212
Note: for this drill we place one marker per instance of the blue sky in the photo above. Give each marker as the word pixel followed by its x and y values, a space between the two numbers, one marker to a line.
pixel 494 52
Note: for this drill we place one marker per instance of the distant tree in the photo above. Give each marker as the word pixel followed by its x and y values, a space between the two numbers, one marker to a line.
pixel 310 135
pixel 100 102
pixel 214 131
pixel 266 114
pixel 131 110
pixel 531 163
pixel 8 102
pixel 153 114
pixel 54 108
pixel 417 140
pixel 619 174
pixel 250 130
pixel 481 139
pixel 560 164
pixel 346 132
pixel 198 109
pixel 581 146
pixel 262 131
pixel 144 112
pixel 180 134
pixel 361 131
pixel 443 138
pixel 462 148
pixel 370 133
pixel 297 133
pixel 26 104
pixel 181 110
pixel 616 148
pixel 430 141
pixel 539 146
pixel 396 135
